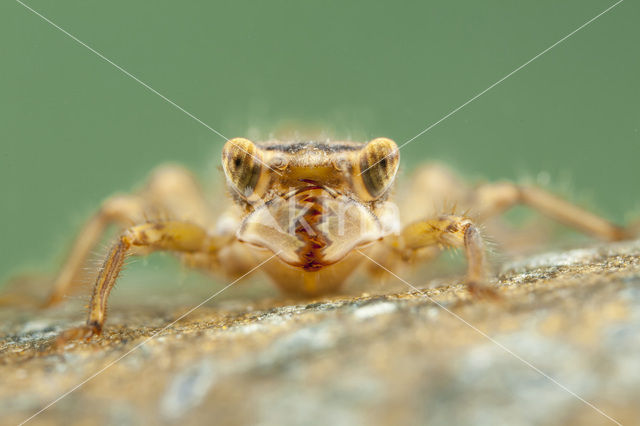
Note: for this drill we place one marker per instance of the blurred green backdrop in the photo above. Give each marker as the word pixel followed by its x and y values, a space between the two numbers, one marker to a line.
pixel 74 129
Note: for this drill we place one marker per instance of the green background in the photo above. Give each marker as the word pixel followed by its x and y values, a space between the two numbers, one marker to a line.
pixel 74 129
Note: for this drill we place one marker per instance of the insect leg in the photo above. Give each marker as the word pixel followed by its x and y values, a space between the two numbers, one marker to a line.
pixel 451 231
pixel 170 235
pixel 171 192
pixel 433 188
pixel 494 199
pixel 125 210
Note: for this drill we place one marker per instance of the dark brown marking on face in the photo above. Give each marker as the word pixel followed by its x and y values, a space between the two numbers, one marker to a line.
pixel 314 241
pixel 295 147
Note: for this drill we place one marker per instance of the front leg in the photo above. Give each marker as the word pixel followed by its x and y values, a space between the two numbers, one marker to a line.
pixel 124 210
pixel 451 231
pixel 171 235
pixel 171 193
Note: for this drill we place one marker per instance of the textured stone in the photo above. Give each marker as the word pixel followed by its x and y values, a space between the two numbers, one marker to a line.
pixel 568 322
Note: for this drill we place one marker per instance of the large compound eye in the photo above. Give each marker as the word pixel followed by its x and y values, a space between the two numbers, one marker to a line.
pixel 379 161
pixel 242 165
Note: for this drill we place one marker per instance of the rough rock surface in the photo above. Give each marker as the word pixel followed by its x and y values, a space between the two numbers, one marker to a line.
pixel 568 328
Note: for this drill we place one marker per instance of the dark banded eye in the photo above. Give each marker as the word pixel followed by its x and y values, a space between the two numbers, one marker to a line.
pixel 242 165
pixel 379 161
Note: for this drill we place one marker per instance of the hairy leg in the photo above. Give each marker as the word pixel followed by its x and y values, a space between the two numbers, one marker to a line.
pixel 431 188
pixel 171 193
pixel 122 210
pixel 435 187
pixel 175 236
pixel 450 231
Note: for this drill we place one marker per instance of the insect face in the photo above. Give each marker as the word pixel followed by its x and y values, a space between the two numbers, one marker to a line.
pixel 312 203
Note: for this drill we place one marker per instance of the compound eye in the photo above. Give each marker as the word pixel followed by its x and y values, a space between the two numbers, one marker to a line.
pixel 379 161
pixel 242 165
